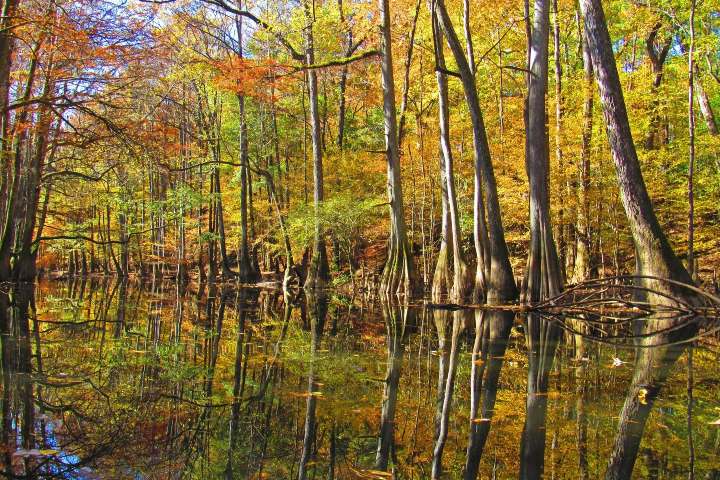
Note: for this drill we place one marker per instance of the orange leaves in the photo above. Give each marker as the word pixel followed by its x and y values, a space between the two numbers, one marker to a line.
pixel 257 78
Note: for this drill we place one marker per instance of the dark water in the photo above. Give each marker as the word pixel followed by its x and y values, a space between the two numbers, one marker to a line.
pixel 107 380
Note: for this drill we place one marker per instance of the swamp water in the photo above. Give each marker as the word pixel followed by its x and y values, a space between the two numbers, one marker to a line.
pixel 114 380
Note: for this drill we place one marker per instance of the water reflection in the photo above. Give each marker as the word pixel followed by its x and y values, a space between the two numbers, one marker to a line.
pixel 492 332
pixel 119 380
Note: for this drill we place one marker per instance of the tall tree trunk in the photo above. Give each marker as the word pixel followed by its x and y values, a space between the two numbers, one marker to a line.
pixel 462 279
pixel 691 134
pixel 565 251
pixel 491 250
pixel 406 76
pixel 7 45
pixel 17 164
pixel 247 271
pixel 343 79
pixel 441 281
pixel 583 246
pixel 25 265
pixel 399 274
pixel 224 261
pixel 319 271
pixel 654 255
pixel 543 278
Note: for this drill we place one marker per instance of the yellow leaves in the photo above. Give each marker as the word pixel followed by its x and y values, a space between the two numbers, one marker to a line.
pixel 642 396
pixel 715 422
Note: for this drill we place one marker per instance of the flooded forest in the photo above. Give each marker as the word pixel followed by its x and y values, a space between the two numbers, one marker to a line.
pixel 359 239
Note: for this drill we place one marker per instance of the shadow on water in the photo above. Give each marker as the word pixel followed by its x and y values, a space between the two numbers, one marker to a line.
pixel 105 379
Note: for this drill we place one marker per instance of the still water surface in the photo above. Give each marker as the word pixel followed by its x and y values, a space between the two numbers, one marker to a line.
pixel 114 380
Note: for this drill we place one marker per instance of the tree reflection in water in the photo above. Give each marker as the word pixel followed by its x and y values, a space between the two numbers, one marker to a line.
pixel 118 380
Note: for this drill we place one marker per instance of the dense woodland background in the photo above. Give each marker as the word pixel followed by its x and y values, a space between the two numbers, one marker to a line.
pixel 222 138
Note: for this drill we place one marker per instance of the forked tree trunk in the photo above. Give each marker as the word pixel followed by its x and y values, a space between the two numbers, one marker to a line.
pixel 462 279
pixel 543 277
pixel 493 264
pixel 657 55
pixel 319 271
pixel 399 274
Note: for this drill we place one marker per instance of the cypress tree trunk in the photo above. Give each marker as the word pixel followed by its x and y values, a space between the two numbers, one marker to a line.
pixel 654 255
pixel 7 45
pixel 691 134
pixel 319 271
pixel 581 269
pixel 462 280
pixel 543 277
pixel 490 247
pixel 441 282
pixel 247 271
pixel 399 274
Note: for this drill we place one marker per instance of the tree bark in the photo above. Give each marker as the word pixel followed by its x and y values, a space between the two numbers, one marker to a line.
pixel 247 271
pixel 7 45
pixel 318 273
pixel 581 269
pixel 399 274
pixel 654 255
pixel 691 135
pixel 493 263
pixel 543 277
pixel 462 281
